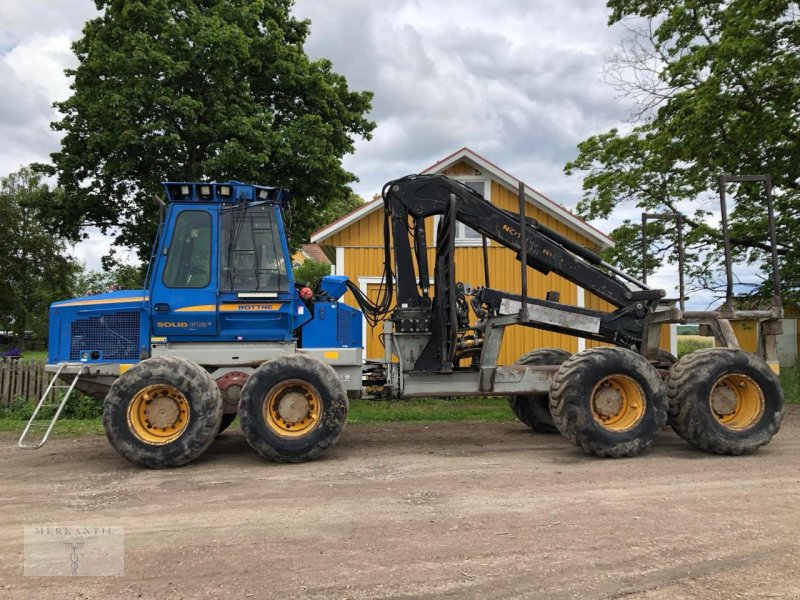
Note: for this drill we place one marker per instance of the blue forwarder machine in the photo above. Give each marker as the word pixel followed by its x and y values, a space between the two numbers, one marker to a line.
pixel 224 329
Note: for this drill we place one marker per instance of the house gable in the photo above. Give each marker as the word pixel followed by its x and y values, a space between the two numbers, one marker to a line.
pixel 466 163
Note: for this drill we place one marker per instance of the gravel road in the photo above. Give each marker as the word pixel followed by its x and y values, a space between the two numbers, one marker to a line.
pixel 474 510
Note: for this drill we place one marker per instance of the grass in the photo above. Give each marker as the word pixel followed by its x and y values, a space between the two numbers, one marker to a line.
pixel 361 412
pixel 689 343
pixel 430 409
pixel 790 381
pixel 64 427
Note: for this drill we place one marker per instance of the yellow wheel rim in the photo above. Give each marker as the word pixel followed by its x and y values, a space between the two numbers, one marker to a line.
pixel 736 401
pixel 293 408
pixel 158 414
pixel 618 403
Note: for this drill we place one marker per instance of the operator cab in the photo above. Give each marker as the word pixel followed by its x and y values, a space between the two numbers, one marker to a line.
pixel 221 271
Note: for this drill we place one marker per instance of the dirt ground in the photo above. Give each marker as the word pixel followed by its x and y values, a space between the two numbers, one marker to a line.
pixel 476 510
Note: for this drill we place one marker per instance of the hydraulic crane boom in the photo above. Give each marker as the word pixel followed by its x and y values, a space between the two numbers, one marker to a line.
pixel 421 196
pixel 410 200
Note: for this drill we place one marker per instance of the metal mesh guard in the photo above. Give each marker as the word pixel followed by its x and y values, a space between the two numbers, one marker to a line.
pixel 344 328
pixel 115 336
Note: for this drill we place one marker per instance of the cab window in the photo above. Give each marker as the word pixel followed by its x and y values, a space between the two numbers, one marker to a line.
pixel 251 253
pixel 189 258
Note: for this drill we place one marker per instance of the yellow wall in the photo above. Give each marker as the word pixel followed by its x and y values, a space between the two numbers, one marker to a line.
pixel 363 257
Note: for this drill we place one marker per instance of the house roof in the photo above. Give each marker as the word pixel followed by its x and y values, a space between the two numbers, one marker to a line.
pixel 532 195
pixel 314 252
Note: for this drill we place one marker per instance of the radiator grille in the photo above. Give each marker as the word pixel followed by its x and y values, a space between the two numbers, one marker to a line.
pixel 345 325
pixel 115 336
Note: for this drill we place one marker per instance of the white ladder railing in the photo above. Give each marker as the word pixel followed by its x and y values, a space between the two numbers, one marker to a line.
pixel 53 385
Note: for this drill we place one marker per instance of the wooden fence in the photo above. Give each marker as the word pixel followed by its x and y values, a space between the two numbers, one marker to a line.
pixel 22 379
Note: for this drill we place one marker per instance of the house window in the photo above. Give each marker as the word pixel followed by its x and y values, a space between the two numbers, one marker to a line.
pixel 467 236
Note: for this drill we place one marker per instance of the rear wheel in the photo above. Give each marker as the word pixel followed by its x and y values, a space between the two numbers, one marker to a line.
pixel 293 408
pixel 162 412
pixel 609 401
pixel 724 401
pixel 534 409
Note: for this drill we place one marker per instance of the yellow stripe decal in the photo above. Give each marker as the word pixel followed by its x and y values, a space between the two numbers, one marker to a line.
pixel 249 307
pixel 199 308
pixel 108 301
pixel 123 368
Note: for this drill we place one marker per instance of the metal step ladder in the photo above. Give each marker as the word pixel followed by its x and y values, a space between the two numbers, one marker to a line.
pixel 53 385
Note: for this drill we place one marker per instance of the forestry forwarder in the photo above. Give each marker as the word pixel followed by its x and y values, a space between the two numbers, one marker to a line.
pixel 223 328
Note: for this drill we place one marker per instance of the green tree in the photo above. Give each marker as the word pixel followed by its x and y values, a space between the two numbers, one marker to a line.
pixel 121 277
pixel 311 272
pixel 35 269
pixel 717 85
pixel 339 208
pixel 199 90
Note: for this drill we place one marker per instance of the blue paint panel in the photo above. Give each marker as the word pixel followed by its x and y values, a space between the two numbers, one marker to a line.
pixel 110 327
pixel 334 325
pixel 334 285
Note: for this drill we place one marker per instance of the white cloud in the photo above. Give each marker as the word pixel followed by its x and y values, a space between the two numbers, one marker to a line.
pixel 520 83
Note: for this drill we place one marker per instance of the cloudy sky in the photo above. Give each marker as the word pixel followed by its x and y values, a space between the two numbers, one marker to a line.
pixel 520 82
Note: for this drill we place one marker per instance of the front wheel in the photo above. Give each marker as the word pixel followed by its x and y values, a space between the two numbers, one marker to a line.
pixel 293 408
pixel 162 412
pixel 609 401
pixel 724 401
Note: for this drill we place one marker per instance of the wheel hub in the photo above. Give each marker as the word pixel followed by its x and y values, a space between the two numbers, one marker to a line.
pixel 293 407
pixel 617 403
pixel 161 412
pixel 608 401
pixel 724 400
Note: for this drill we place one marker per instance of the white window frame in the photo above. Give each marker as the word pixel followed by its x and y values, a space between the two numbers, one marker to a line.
pixel 363 285
pixel 462 241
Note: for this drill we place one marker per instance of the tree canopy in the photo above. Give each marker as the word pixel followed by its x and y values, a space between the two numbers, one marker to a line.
pixel 35 269
pixel 199 90
pixel 717 90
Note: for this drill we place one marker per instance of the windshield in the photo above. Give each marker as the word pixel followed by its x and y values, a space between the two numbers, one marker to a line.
pixel 252 257
pixel 189 259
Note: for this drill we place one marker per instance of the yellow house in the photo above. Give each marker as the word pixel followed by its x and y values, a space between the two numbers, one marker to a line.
pixel 354 243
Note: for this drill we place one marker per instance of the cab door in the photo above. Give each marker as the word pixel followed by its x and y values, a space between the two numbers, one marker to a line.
pixel 183 302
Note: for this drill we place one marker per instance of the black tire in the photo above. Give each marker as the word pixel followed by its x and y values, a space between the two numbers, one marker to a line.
pixel 534 409
pixel 717 379
pixel 296 376
pixel 227 419
pixel 145 383
pixel 585 391
pixel 664 359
